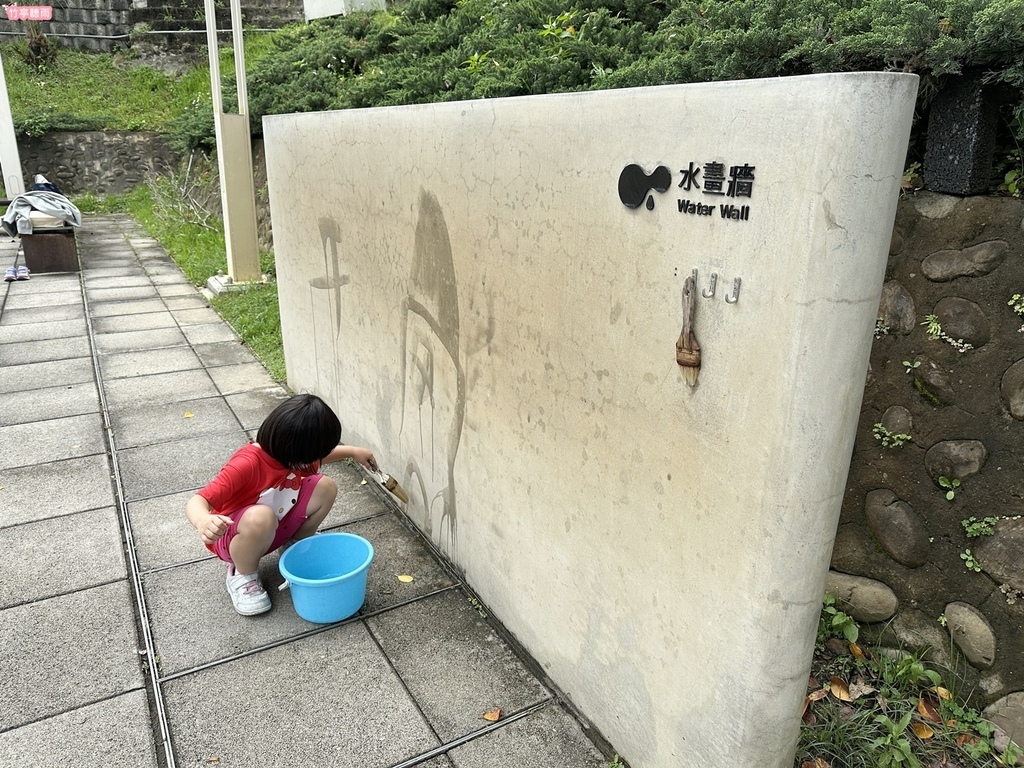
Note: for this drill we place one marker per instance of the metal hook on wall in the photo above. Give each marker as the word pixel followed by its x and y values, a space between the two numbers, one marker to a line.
pixel 714 282
pixel 735 292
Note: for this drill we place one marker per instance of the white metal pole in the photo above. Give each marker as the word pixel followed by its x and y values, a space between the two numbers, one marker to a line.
pixel 10 158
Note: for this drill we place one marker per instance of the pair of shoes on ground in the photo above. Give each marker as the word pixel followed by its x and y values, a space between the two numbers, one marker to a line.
pixel 247 592
pixel 12 274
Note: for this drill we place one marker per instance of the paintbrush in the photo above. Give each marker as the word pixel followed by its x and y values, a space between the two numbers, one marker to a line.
pixel 392 485
pixel 687 348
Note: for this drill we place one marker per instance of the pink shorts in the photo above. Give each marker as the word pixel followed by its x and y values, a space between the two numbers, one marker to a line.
pixel 286 526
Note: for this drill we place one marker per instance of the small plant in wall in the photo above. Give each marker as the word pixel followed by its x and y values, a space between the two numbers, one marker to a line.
pixel 834 622
pixel 912 365
pixel 970 561
pixel 935 332
pixel 950 484
pixel 881 329
pixel 887 438
pixel 1017 303
pixel 974 527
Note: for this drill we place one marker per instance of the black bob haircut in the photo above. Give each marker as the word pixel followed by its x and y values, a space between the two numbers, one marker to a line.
pixel 299 431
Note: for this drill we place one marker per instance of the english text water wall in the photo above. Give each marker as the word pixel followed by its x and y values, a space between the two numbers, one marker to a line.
pixel 491 293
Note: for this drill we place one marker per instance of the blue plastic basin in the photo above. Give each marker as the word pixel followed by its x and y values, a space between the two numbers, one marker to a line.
pixel 327 575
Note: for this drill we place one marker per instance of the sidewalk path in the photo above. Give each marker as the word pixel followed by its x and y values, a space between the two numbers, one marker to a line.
pixel 123 392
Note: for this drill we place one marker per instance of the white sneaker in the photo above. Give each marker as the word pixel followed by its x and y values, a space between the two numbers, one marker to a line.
pixel 247 593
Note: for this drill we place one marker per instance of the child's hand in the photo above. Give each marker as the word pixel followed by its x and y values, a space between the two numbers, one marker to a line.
pixel 213 528
pixel 365 457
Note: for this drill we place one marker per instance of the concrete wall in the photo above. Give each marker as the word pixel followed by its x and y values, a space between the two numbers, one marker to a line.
pixel 465 285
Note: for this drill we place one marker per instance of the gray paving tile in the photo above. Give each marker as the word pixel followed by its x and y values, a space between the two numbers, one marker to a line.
pixel 26 488
pixel 95 736
pixel 231 379
pixel 210 334
pixel 252 408
pixel 550 737
pixel 453 663
pixel 159 422
pixel 137 279
pixel 159 388
pixel 144 363
pixel 182 465
pixel 131 341
pixel 47 299
pixel 185 302
pixel 167 275
pixel 121 294
pixel 199 316
pixel 63 554
pixel 396 551
pixel 50 282
pixel 118 308
pixel 49 403
pixel 362 719
pixel 162 533
pixel 42 350
pixel 53 440
pixel 139 322
pixel 56 329
pixel 222 353
pixel 92 275
pixel 49 374
pixel 193 595
pixel 168 290
pixel 40 314
pixel 40 656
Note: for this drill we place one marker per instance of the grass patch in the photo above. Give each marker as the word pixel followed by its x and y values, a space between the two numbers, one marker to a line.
pixel 253 312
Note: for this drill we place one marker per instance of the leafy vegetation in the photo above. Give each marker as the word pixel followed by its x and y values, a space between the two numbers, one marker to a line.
pixel 866 709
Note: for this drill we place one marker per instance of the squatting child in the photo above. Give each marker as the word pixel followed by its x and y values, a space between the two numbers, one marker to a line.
pixel 270 493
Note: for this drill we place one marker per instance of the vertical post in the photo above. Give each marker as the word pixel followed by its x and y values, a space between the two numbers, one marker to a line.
pixel 10 159
pixel 234 156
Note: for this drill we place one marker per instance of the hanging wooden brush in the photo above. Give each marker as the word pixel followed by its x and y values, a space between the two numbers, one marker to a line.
pixel 392 485
pixel 687 348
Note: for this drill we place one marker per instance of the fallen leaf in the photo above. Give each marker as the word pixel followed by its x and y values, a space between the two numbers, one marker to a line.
pixel 928 710
pixel 836 645
pixel 211 760
pixel 493 715
pixel 812 683
pixel 922 730
pixel 189 415
pixel 820 762
pixel 807 701
pixel 821 693
pixel 860 688
pixel 405 578
pixel 363 483
pixel 809 718
pixel 840 689
pixel 941 692
pixel 856 651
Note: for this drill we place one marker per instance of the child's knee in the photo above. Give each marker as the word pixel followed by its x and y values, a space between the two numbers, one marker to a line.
pixel 327 487
pixel 257 520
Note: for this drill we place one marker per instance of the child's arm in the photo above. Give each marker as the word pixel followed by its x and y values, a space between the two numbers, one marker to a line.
pixel 362 455
pixel 210 527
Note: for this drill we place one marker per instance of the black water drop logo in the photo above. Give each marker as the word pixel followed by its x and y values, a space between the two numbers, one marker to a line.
pixel 634 184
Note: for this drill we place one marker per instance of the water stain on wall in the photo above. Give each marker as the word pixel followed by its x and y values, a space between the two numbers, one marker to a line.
pixel 433 379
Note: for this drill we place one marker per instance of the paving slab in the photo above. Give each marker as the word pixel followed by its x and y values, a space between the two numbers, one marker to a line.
pixel 159 422
pixel 179 465
pixel 25 487
pixel 163 535
pixel 168 290
pixel 31 376
pixel 550 737
pixel 231 379
pixel 169 275
pixel 111 732
pixel 221 353
pixel 49 282
pixel 354 711
pixel 123 364
pixel 454 664
pixel 12 316
pixel 199 316
pixel 52 440
pixel 92 275
pixel 42 350
pixel 136 278
pixel 185 302
pixel 159 388
pixel 49 403
pixel 131 341
pixel 62 554
pixel 120 308
pixel 121 294
pixel 251 408
pixel 210 333
pixel 57 329
pixel 40 656
pixel 39 298
pixel 138 322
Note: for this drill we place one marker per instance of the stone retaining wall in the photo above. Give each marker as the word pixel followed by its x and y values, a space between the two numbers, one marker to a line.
pixel 931 539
